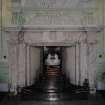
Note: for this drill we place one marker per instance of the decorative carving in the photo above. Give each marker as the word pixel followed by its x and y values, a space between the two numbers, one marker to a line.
pixel 59 3
pixel 21 36
pixel 59 17
pixel 13 38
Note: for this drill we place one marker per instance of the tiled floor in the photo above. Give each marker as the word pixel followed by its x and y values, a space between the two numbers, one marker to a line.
pixel 93 100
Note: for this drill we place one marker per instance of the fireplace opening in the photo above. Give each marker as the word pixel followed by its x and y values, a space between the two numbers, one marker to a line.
pixel 52 82
pixel 52 61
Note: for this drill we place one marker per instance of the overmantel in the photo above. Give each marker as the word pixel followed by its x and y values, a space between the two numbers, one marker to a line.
pixel 51 35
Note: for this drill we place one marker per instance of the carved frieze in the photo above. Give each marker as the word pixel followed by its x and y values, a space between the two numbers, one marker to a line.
pixel 58 12
pixel 60 3
pixel 53 38
pixel 53 17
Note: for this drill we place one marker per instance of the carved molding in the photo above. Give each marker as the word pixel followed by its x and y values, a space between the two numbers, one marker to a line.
pixel 21 36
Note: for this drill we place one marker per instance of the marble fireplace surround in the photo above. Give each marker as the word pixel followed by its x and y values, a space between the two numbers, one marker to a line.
pixel 51 36
pixel 21 40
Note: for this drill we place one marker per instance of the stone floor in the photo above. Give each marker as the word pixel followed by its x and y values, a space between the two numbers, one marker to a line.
pixel 93 100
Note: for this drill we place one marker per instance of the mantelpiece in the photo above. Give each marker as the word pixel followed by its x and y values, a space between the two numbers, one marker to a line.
pixel 52 35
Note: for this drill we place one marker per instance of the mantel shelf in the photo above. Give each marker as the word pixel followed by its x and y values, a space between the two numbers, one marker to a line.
pixel 52 28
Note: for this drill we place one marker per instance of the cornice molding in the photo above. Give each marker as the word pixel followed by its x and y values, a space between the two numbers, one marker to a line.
pixel 52 28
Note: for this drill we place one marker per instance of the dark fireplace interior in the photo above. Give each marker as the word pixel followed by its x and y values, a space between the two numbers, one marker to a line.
pixel 52 61
pixel 52 83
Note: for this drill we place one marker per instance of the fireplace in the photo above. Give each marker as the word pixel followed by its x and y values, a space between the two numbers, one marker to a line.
pixel 31 48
